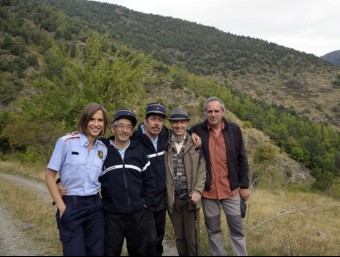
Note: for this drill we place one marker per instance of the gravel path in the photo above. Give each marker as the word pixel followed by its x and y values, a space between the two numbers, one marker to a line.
pixel 13 241
pixel 12 238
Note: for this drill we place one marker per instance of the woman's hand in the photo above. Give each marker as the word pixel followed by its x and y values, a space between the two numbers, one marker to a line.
pixel 62 189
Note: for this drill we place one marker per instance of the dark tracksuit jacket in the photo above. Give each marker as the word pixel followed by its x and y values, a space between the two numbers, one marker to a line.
pixel 127 185
pixel 237 157
pixel 157 161
pixel 158 167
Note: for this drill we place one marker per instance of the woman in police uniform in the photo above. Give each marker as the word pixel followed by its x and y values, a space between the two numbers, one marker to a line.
pixel 79 160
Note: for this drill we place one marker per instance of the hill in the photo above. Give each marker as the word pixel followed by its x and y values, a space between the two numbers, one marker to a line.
pixel 332 57
pixel 261 69
pixel 58 55
pixel 264 70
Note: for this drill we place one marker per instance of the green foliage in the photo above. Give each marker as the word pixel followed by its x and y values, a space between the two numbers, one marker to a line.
pixel 264 154
pixel 97 78
pixel 111 79
pixel 336 82
pixel 334 190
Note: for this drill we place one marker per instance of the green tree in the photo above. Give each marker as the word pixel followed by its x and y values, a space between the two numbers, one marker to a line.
pixel 114 80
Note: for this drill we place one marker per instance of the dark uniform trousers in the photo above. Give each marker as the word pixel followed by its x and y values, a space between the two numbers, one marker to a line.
pixel 135 228
pixel 83 225
pixel 157 229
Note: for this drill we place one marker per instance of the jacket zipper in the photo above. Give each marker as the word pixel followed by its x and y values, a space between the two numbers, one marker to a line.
pixel 126 185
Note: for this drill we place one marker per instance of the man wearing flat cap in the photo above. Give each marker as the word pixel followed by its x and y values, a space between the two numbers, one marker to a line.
pixel 128 189
pixel 185 179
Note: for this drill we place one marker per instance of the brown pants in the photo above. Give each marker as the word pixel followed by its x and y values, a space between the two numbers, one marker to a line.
pixel 183 220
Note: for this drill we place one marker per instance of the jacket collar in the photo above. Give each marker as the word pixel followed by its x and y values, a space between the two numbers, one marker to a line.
pixel 132 144
pixel 206 125
pixel 140 132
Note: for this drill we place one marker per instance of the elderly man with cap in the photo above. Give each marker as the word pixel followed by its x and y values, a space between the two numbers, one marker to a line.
pixel 185 179
pixel 128 189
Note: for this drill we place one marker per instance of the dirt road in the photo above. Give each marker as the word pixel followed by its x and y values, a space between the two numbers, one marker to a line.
pixel 13 241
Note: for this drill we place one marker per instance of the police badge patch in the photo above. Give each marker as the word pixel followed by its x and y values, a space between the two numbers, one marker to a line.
pixel 100 154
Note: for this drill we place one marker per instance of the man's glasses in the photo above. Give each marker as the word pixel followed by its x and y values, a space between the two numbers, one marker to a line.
pixel 123 127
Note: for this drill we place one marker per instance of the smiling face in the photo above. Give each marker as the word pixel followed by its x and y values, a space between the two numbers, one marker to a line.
pixel 154 125
pixel 179 128
pixel 96 125
pixel 214 113
pixel 122 129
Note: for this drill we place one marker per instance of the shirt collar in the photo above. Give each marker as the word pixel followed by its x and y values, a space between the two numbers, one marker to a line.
pixel 121 150
pixel 222 128
pixel 85 142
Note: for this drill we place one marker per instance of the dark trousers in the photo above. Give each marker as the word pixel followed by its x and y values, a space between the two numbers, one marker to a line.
pixel 155 246
pixel 81 228
pixel 183 220
pixel 135 228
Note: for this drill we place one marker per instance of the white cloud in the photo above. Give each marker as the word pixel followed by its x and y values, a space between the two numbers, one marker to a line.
pixel 311 26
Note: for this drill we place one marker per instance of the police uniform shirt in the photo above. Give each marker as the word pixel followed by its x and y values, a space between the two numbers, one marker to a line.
pixel 79 168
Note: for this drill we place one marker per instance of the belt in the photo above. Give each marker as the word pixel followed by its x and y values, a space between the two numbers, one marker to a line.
pixel 80 199
pixel 182 196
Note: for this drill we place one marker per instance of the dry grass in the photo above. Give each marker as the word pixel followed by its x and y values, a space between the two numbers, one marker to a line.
pixel 293 223
pixel 30 208
pixel 298 224
pixel 32 171
pixel 311 228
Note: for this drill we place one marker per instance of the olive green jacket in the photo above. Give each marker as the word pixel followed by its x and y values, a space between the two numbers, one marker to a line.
pixel 195 169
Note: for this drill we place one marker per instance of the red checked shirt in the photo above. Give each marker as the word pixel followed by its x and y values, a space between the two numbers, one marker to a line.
pixel 220 185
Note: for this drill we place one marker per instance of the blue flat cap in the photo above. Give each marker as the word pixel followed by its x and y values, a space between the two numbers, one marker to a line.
pixel 155 108
pixel 126 114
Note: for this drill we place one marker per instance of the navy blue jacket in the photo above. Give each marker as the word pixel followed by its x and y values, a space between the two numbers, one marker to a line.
pixel 238 168
pixel 127 185
pixel 157 162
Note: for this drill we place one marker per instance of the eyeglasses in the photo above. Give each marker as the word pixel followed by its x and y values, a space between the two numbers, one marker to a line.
pixel 123 127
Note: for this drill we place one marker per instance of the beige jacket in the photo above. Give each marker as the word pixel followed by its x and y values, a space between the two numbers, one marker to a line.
pixel 195 171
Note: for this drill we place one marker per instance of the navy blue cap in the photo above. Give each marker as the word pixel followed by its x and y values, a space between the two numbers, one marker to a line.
pixel 155 108
pixel 126 114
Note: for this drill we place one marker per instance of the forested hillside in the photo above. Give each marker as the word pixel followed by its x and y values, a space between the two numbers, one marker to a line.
pixel 56 56
pixel 264 70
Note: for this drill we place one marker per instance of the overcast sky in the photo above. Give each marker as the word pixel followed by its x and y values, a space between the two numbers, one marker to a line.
pixel 311 26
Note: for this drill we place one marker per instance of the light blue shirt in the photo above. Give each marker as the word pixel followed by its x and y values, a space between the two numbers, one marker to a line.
pixel 79 168
pixel 121 151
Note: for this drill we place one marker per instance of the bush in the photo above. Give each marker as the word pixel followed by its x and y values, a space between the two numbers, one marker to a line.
pixel 264 154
